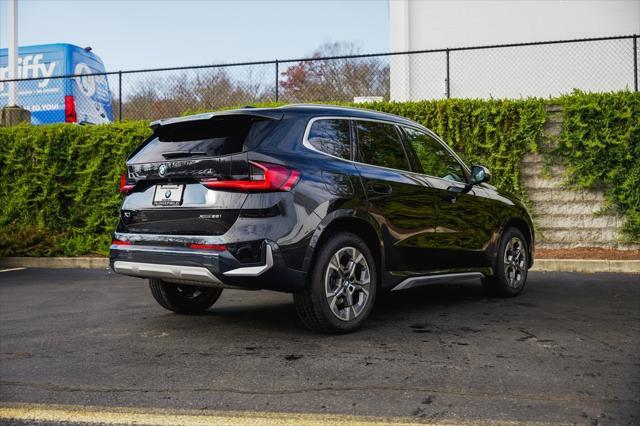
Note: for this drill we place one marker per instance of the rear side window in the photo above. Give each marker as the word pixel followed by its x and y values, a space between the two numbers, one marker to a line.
pixel 379 144
pixel 331 137
pixel 208 138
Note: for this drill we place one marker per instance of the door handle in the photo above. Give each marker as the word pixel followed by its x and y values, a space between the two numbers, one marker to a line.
pixel 452 193
pixel 380 188
pixel 450 197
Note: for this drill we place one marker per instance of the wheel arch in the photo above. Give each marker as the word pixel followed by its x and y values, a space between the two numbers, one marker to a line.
pixel 347 221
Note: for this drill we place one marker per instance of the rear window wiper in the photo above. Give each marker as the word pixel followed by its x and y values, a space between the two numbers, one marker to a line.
pixel 178 154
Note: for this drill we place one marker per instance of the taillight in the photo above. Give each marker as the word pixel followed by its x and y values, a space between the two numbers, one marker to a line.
pixel 214 247
pixel 70 115
pixel 121 243
pixel 125 187
pixel 263 177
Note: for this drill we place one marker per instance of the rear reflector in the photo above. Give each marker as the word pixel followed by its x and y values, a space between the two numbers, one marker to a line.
pixel 214 247
pixel 125 187
pixel 70 115
pixel 264 177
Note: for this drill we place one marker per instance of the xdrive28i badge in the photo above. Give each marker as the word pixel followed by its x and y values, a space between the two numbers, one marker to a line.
pixel 162 170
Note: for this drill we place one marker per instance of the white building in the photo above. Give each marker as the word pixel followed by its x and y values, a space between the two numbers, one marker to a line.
pixel 543 70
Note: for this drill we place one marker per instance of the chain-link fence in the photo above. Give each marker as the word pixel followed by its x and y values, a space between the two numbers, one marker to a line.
pixel 505 71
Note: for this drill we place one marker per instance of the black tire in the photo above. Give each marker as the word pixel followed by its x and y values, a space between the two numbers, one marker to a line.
pixel 510 274
pixel 183 299
pixel 314 306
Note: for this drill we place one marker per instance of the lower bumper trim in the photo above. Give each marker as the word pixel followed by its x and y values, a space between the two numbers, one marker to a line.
pixel 185 274
pixel 419 281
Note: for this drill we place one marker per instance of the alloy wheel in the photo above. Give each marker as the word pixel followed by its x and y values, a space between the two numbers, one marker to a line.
pixel 515 262
pixel 189 292
pixel 347 281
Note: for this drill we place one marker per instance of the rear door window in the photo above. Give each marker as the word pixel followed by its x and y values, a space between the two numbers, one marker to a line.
pixel 207 138
pixel 379 144
pixel 331 136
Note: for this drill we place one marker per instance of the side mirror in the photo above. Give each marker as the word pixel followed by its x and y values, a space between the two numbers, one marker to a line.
pixel 480 174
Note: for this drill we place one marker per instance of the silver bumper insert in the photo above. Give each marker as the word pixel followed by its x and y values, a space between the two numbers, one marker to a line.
pixel 189 274
pixel 171 273
pixel 254 271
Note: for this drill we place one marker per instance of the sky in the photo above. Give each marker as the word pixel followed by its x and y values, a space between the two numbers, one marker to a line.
pixel 138 34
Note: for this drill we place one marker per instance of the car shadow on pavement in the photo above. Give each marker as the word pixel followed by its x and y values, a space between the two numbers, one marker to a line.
pixel 277 314
pixel 435 295
pixel 237 318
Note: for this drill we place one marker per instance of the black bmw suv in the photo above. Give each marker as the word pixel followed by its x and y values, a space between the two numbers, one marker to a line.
pixel 331 204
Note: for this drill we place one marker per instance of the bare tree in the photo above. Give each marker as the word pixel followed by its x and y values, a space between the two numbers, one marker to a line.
pixel 335 79
pixel 171 93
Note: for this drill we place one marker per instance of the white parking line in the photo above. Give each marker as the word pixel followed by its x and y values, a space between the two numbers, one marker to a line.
pixel 12 269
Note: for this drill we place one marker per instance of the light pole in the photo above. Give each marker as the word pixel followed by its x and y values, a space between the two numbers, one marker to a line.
pixel 12 114
pixel 13 52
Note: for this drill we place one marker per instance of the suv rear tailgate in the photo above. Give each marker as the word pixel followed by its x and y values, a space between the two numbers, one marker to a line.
pixel 165 171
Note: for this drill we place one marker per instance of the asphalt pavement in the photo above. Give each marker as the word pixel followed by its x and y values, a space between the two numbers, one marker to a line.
pixel 567 350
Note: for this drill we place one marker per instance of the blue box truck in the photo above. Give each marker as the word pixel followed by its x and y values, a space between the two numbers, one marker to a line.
pixel 82 99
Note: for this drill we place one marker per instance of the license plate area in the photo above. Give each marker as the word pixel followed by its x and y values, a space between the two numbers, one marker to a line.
pixel 168 195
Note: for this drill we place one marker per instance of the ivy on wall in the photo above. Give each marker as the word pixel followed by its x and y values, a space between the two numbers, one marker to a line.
pixel 600 144
pixel 59 182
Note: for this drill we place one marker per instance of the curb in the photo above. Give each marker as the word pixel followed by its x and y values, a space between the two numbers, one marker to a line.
pixel 55 262
pixel 540 265
pixel 586 265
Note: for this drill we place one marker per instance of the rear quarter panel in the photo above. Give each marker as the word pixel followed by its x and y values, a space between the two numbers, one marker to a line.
pixel 328 188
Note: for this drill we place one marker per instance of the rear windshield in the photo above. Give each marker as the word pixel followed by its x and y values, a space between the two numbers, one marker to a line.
pixel 208 138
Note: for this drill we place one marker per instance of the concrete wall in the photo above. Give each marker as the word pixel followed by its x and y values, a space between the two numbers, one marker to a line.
pixel 510 72
pixel 567 218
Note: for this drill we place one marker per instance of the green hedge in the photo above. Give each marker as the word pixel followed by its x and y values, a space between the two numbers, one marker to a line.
pixel 59 186
pixel 59 182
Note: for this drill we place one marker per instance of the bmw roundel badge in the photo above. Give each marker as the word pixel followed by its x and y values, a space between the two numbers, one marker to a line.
pixel 162 170
pixel 167 194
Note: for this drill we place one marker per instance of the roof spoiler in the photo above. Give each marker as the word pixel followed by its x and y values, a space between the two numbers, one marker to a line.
pixel 268 114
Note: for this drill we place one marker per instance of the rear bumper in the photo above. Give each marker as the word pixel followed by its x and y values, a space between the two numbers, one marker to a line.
pixel 200 267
